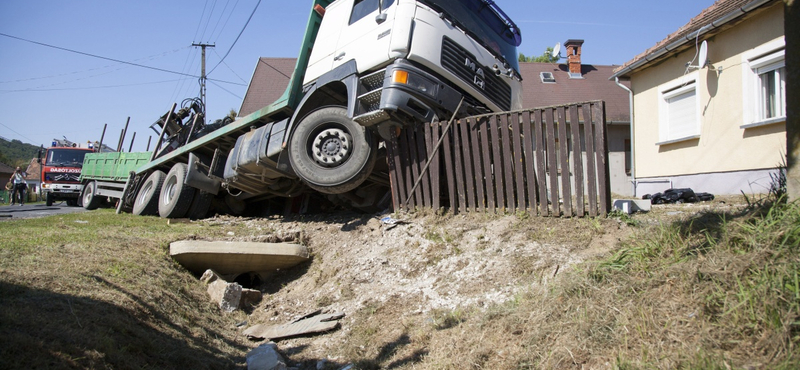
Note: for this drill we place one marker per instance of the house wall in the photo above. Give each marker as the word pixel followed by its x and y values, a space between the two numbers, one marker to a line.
pixel 725 158
pixel 620 180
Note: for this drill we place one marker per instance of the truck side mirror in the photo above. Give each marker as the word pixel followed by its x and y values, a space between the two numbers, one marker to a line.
pixel 39 156
pixel 380 18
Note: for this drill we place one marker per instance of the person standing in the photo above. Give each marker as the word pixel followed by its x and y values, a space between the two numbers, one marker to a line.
pixel 18 186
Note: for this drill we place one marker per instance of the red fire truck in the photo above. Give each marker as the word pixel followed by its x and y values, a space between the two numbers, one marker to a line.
pixel 60 169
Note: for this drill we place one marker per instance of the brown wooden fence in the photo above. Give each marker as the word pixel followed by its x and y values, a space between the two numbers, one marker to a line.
pixel 550 161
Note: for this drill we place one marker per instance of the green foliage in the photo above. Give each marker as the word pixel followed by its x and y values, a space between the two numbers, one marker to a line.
pixel 16 153
pixel 546 57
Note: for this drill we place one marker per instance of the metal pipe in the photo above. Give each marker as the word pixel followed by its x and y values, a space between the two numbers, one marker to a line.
pixel 100 149
pixel 630 112
pixel 130 149
pixel 148 143
pixel 122 137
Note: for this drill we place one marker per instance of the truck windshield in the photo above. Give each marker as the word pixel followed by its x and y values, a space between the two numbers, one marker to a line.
pixel 65 157
pixel 485 22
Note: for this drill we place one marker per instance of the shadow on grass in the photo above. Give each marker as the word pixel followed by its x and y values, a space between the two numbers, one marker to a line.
pixel 43 329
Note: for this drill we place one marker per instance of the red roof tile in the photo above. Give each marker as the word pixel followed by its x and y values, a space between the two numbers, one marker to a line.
pixel 269 81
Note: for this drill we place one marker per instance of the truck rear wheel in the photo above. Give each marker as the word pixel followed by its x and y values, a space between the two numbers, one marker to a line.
pixel 147 199
pixel 200 205
pixel 176 197
pixel 90 199
pixel 330 152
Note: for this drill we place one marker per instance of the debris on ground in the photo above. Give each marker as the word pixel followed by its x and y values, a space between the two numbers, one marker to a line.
pixel 680 195
pixel 265 357
pixel 316 323
pixel 229 296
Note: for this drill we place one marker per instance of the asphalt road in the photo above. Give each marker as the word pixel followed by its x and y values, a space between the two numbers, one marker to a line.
pixel 9 212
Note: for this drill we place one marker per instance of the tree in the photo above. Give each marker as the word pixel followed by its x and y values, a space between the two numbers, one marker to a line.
pixel 546 57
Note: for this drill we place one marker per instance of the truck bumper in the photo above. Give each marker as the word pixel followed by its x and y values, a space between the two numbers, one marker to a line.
pixel 62 191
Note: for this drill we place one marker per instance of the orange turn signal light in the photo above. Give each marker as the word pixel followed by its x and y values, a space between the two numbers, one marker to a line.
pixel 400 77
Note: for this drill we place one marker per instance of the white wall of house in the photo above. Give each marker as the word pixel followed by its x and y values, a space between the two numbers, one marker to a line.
pixel 699 127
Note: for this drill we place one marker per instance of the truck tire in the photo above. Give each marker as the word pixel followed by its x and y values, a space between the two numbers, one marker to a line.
pixel 48 199
pixel 176 197
pixel 147 198
pixel 200 205
pixel 330 152
pixel 90 199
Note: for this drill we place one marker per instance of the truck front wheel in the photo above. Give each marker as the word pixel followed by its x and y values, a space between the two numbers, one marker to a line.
pixel 330 152
pixel 147 199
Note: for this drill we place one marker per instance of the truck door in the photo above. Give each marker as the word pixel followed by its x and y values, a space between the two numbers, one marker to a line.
pixel 365 34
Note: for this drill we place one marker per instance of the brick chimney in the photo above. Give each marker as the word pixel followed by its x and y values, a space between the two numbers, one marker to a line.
pixel 574 57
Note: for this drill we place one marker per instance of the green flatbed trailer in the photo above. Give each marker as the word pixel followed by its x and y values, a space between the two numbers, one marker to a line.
pixel 107 174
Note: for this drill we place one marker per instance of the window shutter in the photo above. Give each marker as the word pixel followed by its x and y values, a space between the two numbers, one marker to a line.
pixel 682 115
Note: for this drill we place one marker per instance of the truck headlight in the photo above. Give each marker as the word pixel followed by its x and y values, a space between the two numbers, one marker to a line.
pixel 418 83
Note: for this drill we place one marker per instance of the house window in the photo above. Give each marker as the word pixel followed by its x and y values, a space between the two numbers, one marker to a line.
pixel 678 111
pixel 765 85
pixel 771 91
pixel 547 77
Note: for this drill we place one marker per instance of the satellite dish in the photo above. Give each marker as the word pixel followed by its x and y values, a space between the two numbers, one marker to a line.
pixel 703 56
pixel 557 51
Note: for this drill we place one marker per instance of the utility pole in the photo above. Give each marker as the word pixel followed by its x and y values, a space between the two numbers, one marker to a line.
pixel 203 74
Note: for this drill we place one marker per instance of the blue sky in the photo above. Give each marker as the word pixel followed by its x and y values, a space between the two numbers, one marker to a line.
pixel 48 93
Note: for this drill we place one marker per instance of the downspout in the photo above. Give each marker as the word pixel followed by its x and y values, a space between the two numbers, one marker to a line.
pixel 630 108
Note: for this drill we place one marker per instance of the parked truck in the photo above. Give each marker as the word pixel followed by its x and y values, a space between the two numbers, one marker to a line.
pixel 60 172
pixel 366 69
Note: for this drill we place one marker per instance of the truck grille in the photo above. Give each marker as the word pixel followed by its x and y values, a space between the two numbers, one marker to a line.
pixel 464 65
pixel 61 177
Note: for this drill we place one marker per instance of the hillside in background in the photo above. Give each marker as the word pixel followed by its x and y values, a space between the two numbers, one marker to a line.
pixel 16 153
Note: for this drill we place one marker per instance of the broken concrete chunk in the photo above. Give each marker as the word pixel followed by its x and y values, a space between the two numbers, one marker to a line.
pixel 233 258
pixel 250 297
pixel 210 276
pixel 265 357
pixel 229 296
pixel 311 325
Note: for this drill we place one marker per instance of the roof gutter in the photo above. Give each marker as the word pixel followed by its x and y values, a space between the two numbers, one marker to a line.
pixel 690 37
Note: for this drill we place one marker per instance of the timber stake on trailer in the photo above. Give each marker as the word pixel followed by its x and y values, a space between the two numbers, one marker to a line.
pixel 549 161
pixel 122 135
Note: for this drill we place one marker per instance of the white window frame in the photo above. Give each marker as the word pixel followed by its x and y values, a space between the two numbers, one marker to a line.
pixel 767 58
pixel 684 85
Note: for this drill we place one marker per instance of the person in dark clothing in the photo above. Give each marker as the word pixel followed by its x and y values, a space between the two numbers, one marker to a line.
pixel 18 186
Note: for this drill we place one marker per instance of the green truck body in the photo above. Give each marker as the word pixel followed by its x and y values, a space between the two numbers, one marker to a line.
pixel 114 166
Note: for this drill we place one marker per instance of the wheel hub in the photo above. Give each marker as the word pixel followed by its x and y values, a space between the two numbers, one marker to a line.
pixel 332 147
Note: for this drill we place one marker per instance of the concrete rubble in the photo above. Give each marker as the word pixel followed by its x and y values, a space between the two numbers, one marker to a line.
pixel 265 357
pixel 229 296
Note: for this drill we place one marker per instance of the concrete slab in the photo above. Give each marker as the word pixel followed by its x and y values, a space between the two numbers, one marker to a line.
pixel 230 258
pixel 632 205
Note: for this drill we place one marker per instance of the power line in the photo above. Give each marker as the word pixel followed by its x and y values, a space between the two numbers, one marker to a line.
pixel 21 135
pixel 231 69
pixel 226 90
pixel 114 60
pixel 89 87
pixel 260 60
pixel 226 22
pixel 237 37
pixel 94 55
